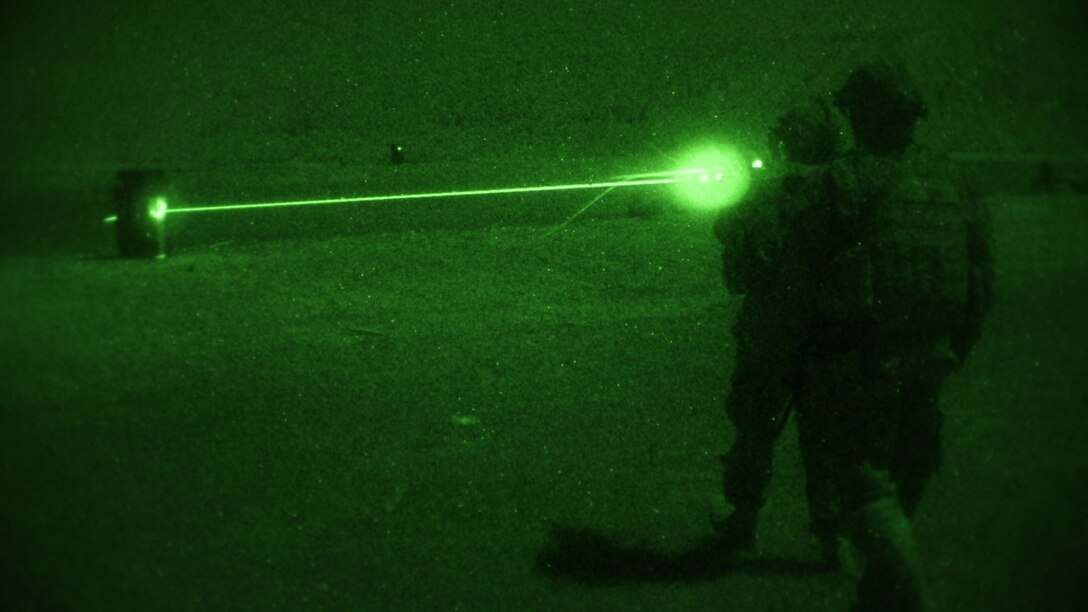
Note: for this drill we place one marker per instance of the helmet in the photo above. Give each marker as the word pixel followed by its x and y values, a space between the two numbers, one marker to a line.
pixel 883 106
pixel 807 134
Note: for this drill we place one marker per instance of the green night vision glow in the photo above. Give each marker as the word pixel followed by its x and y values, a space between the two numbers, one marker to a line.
pixel 158 209
pixel 721 180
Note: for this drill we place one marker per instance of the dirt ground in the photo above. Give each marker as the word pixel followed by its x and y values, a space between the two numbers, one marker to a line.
pixel 488 418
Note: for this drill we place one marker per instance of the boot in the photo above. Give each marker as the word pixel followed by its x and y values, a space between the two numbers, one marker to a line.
pixel 892 580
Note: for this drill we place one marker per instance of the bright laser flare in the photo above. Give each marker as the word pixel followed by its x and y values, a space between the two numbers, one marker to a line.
pixel 722 181
pixel 158 209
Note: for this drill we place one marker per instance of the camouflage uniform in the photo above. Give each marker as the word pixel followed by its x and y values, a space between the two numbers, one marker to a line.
pixel 893 315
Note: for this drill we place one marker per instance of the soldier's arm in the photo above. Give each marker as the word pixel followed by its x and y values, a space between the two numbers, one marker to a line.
pixel 744 231
pixel 731 228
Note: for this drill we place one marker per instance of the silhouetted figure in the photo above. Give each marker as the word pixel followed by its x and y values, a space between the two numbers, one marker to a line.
pixel 396 154
pixel 760 264
pixel 866 276
pixel 899 254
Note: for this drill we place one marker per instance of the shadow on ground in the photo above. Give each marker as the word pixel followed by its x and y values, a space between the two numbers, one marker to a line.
pixel 590 557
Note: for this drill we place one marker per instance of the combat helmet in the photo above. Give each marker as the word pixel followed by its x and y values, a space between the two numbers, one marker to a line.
pixel 883 107
pixel 809 133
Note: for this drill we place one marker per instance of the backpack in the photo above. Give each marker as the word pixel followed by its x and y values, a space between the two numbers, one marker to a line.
pixel 903 263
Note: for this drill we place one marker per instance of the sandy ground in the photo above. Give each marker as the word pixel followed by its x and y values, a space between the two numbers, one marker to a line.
pixel 484 418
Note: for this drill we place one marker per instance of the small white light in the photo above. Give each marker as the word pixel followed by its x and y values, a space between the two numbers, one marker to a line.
pixel 757 163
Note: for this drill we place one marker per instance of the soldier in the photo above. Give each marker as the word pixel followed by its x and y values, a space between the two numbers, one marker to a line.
pixel 760 264
pixel 900 262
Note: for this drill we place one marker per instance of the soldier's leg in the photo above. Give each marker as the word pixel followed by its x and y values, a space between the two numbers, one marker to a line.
pixel 919 455
pixel 757 406
pixel 817 458
pixel 862 420
pixel 918 452
pixel 874 519
pixel 765 407
pixel 882 533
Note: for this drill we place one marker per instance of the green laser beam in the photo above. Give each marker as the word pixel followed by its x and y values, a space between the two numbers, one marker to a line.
pixel 695 171
pixel 581 210
pixel 158 209
pixel 430 195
